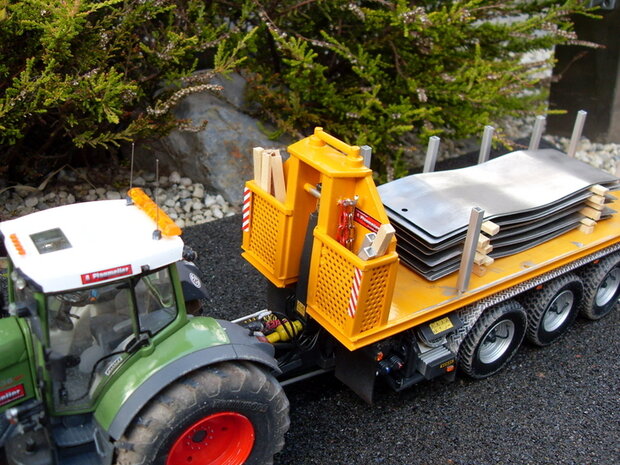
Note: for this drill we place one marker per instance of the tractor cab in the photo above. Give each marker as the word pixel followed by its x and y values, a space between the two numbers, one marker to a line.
pixel 92 292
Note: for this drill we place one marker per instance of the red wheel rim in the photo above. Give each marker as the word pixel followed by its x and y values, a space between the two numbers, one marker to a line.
pixel 224 438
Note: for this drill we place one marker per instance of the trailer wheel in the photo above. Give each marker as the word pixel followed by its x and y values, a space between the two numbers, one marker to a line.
pixel 552 309
pixel 493 340
pixel 601 287
pixel 226 414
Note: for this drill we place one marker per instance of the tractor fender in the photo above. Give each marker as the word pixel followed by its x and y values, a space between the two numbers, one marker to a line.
pixel 127 398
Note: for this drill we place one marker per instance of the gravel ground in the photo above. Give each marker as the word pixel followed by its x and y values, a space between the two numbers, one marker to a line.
pixel 557 405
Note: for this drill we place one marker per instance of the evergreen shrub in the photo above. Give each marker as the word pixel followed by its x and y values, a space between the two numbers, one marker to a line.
pixel 79 77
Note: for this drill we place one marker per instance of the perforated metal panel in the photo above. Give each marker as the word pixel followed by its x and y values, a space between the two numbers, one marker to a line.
pixel 264 232
pixel 375 301
pixel 334 284
pixel 333 287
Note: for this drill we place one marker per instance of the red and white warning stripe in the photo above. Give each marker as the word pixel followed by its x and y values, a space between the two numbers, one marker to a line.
pixel 247 207
pixel 355 293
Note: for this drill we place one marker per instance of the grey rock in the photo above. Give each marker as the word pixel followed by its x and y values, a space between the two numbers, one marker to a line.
pixel 219 156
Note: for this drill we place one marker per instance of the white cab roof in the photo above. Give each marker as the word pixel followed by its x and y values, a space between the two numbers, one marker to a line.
pixel 79 245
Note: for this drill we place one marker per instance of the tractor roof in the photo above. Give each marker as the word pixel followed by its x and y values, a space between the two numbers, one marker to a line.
pixel 88 243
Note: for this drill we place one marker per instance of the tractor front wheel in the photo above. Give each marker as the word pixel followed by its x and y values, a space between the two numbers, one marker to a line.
pixel 226 414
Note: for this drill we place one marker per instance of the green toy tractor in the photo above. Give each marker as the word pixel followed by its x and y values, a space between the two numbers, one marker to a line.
pixel 102 362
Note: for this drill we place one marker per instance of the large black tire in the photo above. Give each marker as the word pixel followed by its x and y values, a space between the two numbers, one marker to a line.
pixel 208 418
pixel 493 340
pixel 552 309
pixel 601 281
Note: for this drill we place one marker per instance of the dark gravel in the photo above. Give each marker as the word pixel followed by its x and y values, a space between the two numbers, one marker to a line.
pixel 557 405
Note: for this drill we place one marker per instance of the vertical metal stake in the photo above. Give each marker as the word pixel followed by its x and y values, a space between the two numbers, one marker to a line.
pixel 537 132
pixel 366 153
pixel 431 154
pixel 485 146
pixel 577 130
pixel 469 250
pixel 133 146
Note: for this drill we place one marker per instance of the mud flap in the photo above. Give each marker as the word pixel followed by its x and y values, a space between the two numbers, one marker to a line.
pixel 357 370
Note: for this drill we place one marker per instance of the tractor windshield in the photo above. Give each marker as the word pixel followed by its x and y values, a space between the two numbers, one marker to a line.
pixel 90 331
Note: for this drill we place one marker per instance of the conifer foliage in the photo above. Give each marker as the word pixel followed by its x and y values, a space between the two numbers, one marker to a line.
pixel 373 71
pixel 82 76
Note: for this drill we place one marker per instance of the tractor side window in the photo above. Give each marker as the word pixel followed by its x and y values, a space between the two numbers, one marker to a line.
pixel 155 300
pixel 88 328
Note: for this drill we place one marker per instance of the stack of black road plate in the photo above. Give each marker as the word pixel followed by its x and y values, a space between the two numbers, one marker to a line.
pixel 533 195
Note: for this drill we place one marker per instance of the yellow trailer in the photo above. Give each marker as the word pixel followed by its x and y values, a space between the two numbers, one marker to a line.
pixel 370 304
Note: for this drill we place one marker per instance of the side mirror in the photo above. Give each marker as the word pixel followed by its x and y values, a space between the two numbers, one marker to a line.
pixel 28 310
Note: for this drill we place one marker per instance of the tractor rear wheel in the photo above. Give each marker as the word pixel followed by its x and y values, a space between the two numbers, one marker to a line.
pixel 226 414
pixel 601 282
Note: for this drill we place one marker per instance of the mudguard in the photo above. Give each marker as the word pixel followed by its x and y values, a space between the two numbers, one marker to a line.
pixel 201 342
pixel 16 382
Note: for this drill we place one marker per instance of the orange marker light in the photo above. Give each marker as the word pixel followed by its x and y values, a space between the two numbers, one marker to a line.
pixel 449 368
pixel 18 245
pixel 164 223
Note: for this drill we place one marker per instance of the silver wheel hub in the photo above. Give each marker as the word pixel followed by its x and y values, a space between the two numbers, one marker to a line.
pixel 608 288
pixel 558 310
pixel 497 341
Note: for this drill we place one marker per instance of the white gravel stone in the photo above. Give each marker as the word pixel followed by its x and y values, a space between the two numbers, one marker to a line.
pixel 199 191
pixel 31 202
pixel 113 195
pixel 175 178
pixel 209 201
pixel 139 181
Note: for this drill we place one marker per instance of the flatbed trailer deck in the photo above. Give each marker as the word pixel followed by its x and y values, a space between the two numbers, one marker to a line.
pixel 391 297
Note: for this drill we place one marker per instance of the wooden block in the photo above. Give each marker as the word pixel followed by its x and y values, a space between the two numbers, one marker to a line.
pixel 599 190
pixel 479 270
pixel 382 240
pixel 480 259
pixel 265 171
pixel 588 222
pixel 586 229
pixel 277 174
pixel 257 156
pixel 597 199
pixel 483 241
pixel 590 212
pixel 485 250
pixel 490 228
pixel 596 206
